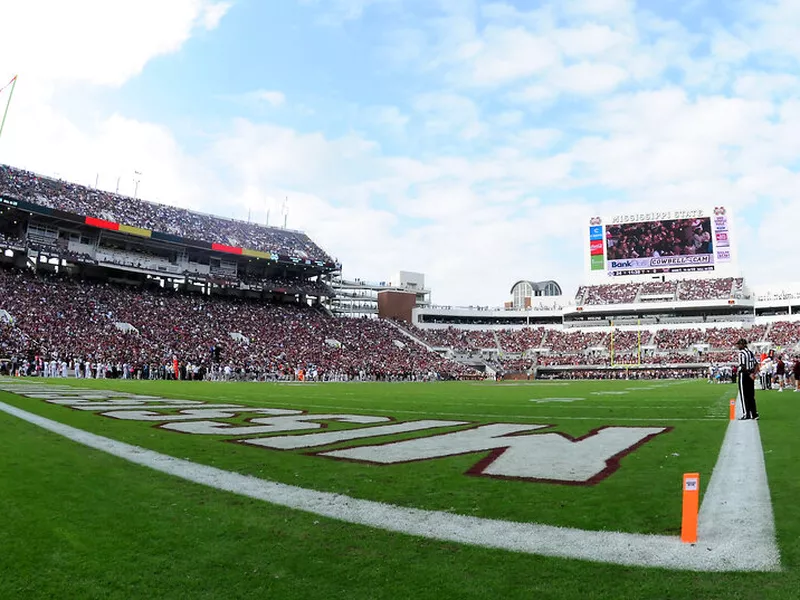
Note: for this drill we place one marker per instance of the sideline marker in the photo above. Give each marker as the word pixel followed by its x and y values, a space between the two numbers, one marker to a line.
pixel 691 502
pixel 733 409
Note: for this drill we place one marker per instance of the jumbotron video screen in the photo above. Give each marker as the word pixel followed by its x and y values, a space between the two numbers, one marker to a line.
pixel 662 242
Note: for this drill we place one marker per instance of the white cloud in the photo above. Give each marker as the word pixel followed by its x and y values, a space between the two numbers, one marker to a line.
pixel 765 86
pixel 589 39
pixel 535 95
pixel 725 47
pixel 590 78
pixel 335 12
pixel 95 41
pixel 271 97
pixel 388 119
pixel 508 118
pixel 597 8
pixel 446 113
pixel 505 55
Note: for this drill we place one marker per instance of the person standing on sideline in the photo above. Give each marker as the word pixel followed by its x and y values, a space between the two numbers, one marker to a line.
pixel 748 368
pixel 796 373
pixel 780 373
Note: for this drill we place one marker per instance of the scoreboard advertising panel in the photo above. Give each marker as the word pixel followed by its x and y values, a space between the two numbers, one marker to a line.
pixel 674 241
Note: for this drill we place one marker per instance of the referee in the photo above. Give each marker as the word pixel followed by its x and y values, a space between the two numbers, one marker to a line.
pixel 748 368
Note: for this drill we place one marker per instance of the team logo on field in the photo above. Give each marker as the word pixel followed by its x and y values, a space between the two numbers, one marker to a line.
pixel 515 451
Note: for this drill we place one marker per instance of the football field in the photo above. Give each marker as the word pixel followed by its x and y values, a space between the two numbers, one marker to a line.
pixel 137 489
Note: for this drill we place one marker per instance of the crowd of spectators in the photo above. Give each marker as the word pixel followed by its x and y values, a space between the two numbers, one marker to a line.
pixel 659 288
pixel 785 334
pixel 612 293
pixel 716 338
pixel 706 289
pixel 686 290
pixel 9 240
pixel 570 342
pixel 520 340
pixel 626 341
pixel 86 201
pixel 723 338
pixel 457 339
pixel 56 316
pixel 678 339
pixel 625 374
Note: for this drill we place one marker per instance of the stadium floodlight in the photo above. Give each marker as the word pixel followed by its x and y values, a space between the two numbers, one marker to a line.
pixel 11 85
pixel 137 177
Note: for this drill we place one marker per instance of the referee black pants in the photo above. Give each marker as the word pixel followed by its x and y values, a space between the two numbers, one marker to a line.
pixel 747 393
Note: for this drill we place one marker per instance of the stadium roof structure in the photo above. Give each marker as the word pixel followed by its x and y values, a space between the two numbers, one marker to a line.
pixel 41 209
pixel 540 286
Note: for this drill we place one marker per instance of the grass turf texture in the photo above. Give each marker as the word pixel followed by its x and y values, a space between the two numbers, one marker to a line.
pixel 90 525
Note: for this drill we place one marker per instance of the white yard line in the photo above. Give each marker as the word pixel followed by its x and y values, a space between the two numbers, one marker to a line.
pixel 724 546
pixel 736 518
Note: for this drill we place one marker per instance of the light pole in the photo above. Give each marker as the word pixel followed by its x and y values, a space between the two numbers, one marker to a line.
pixel 13 84
pixel 137 177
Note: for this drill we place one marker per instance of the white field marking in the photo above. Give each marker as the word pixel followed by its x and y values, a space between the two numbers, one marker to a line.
pixel 97 406
pixel 729 552
pixel 542 400
pixel 193 414
pixel 639 389
pixel 626 404
pixel 82 401
pixel 545 456
pixel 521 383
pixel 608 393
pixel 60 390
pixel 738 500
pixel 270 424
pixel 91 405
pixel 311 440
pixel 496 416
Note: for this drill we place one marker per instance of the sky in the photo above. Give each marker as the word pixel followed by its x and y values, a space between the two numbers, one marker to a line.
pixel 467 140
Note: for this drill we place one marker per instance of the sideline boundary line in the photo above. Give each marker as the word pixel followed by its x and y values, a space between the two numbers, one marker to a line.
pixel 723 545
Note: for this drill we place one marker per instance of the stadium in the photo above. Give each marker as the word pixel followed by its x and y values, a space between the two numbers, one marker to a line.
pixel 532 330
pixel 167 321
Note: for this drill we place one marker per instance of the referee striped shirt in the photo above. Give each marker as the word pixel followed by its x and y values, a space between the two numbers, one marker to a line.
pixel 747 361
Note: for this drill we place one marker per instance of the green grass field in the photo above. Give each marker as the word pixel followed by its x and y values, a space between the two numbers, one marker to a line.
pixel 78 523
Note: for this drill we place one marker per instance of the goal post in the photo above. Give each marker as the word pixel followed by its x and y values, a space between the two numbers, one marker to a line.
pixel 638 362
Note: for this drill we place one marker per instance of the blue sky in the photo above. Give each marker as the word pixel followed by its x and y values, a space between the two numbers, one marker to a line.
pixel 465 139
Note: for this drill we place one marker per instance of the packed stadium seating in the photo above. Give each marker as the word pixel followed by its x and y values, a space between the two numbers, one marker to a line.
pixel 687 345
pixel 457 339
pixel 85 201
pixel 520 340
pixel 570 342
pixel 614 293
pixel 784 334
pixel 73 319
pixel 706 289
pixel 684 291
pixel 661 288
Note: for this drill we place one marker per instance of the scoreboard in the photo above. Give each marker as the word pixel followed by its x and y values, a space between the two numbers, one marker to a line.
pixel 694 242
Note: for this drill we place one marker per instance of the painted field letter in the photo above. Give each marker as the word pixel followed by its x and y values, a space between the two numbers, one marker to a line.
pixel 551 457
